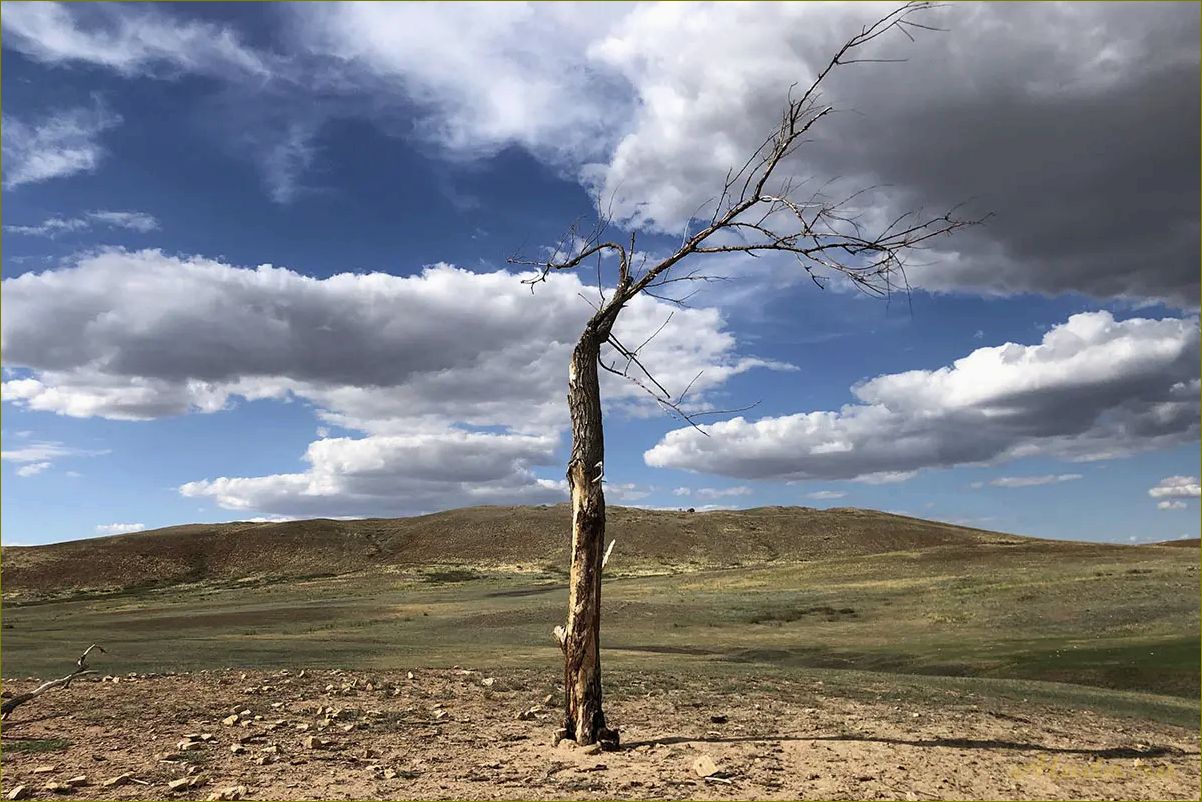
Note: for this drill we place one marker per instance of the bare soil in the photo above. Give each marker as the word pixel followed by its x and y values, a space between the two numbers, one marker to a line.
pixel 456 734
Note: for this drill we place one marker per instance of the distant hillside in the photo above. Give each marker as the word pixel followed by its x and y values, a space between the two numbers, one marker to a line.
pixel 476 536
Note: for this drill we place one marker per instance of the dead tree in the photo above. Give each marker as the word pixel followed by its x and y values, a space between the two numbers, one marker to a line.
pixel 757 211
pixel 81 669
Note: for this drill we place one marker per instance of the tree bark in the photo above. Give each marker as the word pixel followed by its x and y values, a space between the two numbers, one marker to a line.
pixel 584 719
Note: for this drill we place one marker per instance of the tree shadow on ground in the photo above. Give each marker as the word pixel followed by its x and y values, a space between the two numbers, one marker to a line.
pixel 952 743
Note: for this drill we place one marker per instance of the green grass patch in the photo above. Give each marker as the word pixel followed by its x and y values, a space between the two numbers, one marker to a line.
pixel 34 745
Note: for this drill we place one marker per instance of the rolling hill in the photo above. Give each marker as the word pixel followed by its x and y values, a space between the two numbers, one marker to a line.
pixel 475 536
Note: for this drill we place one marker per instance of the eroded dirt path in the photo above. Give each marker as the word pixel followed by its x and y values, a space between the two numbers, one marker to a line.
pixel 456 734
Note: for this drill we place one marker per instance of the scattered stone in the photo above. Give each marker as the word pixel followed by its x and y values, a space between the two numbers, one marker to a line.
pixel 592 749
pixel 77 781
pixel 19 792
pixel 237 749
pixel 439 715
pixel 718 719
pixel 705 766
pixel 302 727
pixel 558 736
pixel 488 682
pixel 409 675
pixel 548 699
pixel 232 792
pixel 120 779
pixel 187 746
pixel 530 714
pixel 58 788
pixel 313 742
pixel 565 744
pixel 230 721
pixel 44 769
pixel 182 784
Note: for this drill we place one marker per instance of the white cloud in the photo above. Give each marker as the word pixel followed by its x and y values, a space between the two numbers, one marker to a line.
pixel 131 40
pixel 32 468
pixel 1094 388
pixel 118 529
pixel 142 335
pixel 1176 487
pixel 45 451
pixel 823 495
pixel 1029 481
pixel 682 491
pixel 382 474
pixel 722 492
pixel 58 145
pixel 53 226
pixel 1171 505
pixel 484 77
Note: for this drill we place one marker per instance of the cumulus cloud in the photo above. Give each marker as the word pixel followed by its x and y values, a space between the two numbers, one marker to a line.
pixel 384 474
pixel 53 226
pixel 32 468
pixel 1013 110
pixel 824 495
pixel 59 144
pixel 1176 487
pixel 1171 505
pixel 1094 388
pixel 435 355
pixel 142 335
pixel 118 529
pixel 1029 481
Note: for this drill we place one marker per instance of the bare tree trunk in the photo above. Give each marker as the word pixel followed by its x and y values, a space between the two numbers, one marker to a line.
pixel 584 719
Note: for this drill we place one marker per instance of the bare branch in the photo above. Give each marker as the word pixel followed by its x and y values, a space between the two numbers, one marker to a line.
pixel 81 669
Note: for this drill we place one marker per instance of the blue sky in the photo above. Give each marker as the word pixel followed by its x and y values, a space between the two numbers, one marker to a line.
pixel 1041 377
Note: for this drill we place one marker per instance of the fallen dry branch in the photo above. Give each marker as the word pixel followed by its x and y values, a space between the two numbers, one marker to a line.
pixel 81 668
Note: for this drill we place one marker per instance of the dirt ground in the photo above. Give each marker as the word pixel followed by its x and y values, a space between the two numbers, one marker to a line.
pixel 469 734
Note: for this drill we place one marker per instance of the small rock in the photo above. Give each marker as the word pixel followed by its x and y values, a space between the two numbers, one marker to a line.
pixel 120 779
pixel 565 744
pixel 232 792
pixel 488 682
pixel 187 746
pixel 302 727
pixel 313 742
pixel 237 749
pixel 548 699
pixel 19 792
pixel 408 675
pixel 44 769
pixel 718 719
pixel 705 766
pixel 78 781
pixel 230 721
pixel 592 749
pixel 558 736
pixel 58 788
pixel 529 714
